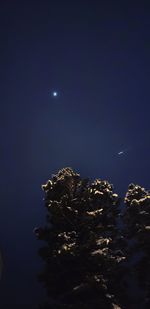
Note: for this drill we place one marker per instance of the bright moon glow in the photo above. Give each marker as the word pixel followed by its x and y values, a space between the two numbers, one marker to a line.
pixel 121 152
pixel 55 94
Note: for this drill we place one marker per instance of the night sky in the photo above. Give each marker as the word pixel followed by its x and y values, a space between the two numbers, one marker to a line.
pixel 96 56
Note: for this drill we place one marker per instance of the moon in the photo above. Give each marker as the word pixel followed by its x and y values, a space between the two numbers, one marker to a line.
pixel 55 93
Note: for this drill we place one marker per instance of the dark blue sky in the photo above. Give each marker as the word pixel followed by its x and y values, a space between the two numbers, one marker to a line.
pixel 96 54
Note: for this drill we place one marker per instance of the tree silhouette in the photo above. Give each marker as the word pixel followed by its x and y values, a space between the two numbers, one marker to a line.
pixel 89 262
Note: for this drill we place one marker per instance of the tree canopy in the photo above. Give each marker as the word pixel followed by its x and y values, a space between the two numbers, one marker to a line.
pixel 96 254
